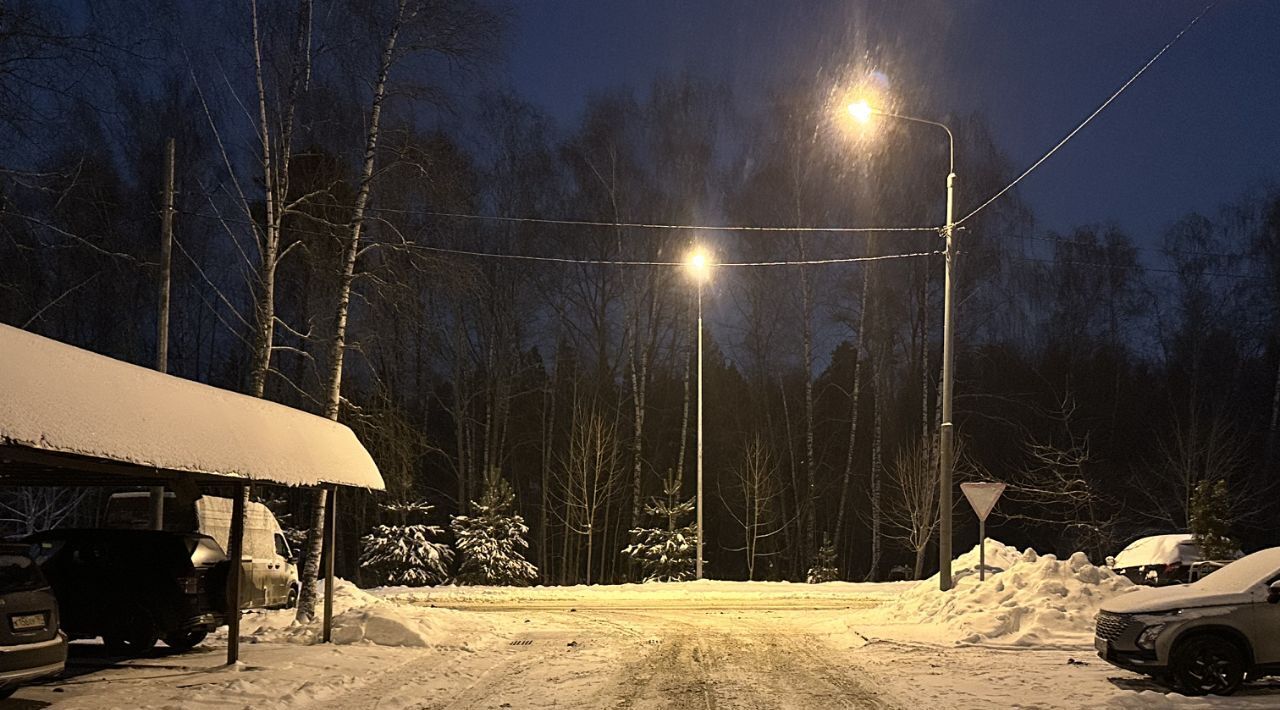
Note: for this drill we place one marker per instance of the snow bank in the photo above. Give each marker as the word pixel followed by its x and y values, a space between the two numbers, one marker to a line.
pixel 1037 599
pixel 360 617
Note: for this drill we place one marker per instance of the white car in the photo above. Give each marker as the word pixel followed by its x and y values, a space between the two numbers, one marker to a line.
pixel 1201 638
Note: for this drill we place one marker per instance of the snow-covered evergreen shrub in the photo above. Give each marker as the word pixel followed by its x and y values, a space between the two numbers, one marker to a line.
pixel 490 542
pixel 407 553
pixel 825 568
pixel 1210 511
pixel 668 552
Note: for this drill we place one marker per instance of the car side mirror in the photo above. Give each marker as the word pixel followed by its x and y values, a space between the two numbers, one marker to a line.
pixel 1273 592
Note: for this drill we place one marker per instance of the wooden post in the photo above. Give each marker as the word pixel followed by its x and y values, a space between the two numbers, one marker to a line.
pixel 236 553
pixel 330 551
pixel 162 320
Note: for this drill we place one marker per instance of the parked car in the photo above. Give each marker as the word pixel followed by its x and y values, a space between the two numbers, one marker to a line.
pixel 1199 638
pixel 31 645
pixel 270 573
pixel 133 587
pixel 1163 559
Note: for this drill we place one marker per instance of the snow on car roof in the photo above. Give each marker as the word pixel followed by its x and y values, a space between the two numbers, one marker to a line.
pixel 59 398
pixel 1244 573
pixel 1158 550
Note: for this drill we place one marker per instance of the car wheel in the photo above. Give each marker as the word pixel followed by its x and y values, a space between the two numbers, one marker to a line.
pixel 291 601
pixel 135 642
pixel 1208 665
pixel 185 640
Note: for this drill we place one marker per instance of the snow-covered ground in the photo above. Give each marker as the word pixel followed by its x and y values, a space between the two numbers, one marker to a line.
pixel 1020 639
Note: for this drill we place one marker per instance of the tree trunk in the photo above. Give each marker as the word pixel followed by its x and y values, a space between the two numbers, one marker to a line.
pixel 333 398
pixel 842 511
pixel 811 487
pixel 877 386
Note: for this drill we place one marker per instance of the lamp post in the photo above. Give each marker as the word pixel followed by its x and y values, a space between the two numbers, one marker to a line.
pixel 862 112
pixel 699 267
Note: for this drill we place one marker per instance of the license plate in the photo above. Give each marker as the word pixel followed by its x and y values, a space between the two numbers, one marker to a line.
pixel 1101 646
pixel 26 622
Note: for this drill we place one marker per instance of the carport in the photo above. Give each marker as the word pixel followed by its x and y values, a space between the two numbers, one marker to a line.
pixel 70 417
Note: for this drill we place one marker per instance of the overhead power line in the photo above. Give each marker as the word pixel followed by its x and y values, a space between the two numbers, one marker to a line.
pixel 642 225
pixel 1091 116
pixel 600 262
pixel 623 262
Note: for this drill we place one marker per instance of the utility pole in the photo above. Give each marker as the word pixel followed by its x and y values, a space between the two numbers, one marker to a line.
pixel 698 562
pixel 162 321
pixel 946 436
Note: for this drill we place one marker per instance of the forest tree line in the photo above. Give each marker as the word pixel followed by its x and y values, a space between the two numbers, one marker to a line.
pixel 338 175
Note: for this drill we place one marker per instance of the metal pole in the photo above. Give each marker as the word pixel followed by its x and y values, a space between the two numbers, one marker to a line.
pixel 700 533
pixel 330 551
pixel 982 549
pixel 162 320
pixel 946 435
pixel 236 555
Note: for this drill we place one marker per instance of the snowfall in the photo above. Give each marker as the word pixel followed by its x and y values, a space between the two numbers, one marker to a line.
pixel 1020 638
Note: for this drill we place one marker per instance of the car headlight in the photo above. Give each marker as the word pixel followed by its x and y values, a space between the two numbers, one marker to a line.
pixel 1147 639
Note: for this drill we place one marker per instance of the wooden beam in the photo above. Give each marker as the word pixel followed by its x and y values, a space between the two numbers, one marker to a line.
pixel 330 551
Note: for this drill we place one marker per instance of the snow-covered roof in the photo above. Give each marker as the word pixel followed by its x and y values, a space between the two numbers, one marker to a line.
pixel 62 399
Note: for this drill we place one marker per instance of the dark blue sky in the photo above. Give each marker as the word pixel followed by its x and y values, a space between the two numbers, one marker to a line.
pixel 1196 130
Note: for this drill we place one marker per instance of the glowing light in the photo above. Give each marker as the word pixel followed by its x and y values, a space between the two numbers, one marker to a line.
pixel 861 111
pixel 698 264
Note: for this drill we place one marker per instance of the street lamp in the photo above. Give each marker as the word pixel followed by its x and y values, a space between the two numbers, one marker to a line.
pixel 862 112
pixel 698 264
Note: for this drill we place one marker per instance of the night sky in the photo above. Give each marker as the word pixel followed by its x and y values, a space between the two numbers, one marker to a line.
pixel 1195 131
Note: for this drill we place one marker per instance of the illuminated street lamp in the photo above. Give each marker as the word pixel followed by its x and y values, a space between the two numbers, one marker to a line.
pixel 861 111
pixel 698 263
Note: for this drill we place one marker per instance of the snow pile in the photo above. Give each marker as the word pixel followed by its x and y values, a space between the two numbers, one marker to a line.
pixel 360 617
pixel 1037 599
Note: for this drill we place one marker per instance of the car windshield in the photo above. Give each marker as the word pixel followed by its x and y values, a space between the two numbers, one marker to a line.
pixel 18 573
pixel 1243 574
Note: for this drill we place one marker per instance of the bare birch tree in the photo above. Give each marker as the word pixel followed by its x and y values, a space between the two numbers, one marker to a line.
pixel 911 516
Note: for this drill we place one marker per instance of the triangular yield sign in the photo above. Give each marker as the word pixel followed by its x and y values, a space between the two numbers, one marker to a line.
pixel 982 496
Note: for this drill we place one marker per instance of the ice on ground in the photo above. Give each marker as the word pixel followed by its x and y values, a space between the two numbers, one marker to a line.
pixel 361 617
pixel 1036 600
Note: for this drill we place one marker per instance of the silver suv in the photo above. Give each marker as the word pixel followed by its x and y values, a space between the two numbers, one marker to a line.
pixel 1200 638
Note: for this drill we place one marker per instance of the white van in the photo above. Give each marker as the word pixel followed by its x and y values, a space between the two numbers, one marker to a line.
pixel 269 576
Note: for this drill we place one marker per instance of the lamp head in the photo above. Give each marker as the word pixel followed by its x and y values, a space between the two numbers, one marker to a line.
pixel 861 111
pixel 698 264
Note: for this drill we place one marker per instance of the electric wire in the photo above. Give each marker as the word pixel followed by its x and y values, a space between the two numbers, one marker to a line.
pixel 595 262
pixel 1091 116
pixel 639 225
pixel 623 262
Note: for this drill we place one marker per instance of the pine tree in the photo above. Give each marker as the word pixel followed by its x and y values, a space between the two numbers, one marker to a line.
pixel 490 543
pixel 666 553
pixel 406 553
pixel 1210 510
pixel 824 567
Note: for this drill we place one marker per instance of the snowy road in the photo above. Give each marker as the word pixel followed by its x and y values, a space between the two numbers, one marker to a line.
pixel 633 658
pixel 638 648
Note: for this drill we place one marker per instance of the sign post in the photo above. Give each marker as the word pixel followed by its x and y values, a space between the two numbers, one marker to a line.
pixel 982 497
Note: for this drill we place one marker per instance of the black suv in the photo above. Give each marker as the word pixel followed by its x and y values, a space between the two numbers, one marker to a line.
pixel 31 646
pixel 133 587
